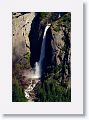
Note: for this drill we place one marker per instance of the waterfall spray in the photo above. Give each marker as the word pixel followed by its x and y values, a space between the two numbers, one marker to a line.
pixel 36 73
pixel 37 70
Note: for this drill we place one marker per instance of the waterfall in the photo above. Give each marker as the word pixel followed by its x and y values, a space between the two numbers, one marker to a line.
pixel 42 54
pixel 36 73
pixel 39 64
pixel 37 70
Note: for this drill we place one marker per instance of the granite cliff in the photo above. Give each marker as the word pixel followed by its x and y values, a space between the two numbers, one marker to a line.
pixel 27 35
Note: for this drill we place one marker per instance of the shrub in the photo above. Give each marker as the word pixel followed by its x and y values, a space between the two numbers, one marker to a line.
pixel 19 66
pixel 27 57
pixel 43 15
pixel 17 92
pixel 57 28
pixel 52 91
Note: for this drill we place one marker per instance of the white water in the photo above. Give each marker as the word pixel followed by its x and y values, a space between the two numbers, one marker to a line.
pixel 38 65
pixel 37 70
pixel 42 55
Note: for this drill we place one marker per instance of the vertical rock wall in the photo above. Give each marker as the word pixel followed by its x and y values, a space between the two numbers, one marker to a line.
pixel 21 25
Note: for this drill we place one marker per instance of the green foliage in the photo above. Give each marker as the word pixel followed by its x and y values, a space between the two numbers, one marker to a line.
pixel 64 20
pixel 19 66
pixel 56 68
pixel 43 15
pixel 52 91
pixel 27 57
pixel 25 60
pixel 54 16
pixel 57 28
pixel 17 92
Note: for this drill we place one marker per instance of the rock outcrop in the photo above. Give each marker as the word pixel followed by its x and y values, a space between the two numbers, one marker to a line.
pixel 21 25
pixel 57 41
pixel 27 36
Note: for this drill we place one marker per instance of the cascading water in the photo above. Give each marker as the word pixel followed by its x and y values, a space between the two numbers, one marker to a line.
pixel 38 65
pixel 42 55
pixel 37 70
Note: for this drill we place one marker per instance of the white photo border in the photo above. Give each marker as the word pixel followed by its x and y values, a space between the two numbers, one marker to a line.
pixel 76 104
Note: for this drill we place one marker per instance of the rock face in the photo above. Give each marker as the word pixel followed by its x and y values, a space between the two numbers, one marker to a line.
pixel 27 36
pixel 62 53
pixel 57 44
pixel 57 41
pixel 28 30
pixel 21 24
